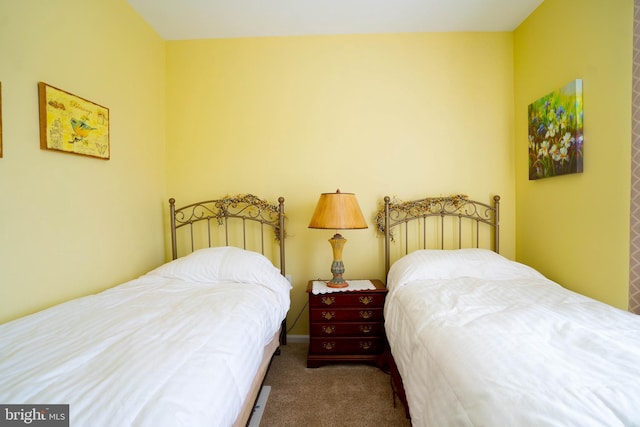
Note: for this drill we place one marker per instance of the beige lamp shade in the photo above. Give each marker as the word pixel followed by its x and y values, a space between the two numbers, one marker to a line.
pixel 338 211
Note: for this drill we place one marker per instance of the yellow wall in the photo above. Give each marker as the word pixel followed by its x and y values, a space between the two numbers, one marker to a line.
pixel 405 115
pixel 73 225
pixel 575 228
pixel 408 115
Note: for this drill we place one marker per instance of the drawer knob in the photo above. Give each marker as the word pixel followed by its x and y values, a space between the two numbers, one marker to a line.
pixel 328 315
pixel 328 329
pixel 366 300
pixel 328 345
pixel 328 300
pixel 366 314
pixel 365 345
pixel 365 328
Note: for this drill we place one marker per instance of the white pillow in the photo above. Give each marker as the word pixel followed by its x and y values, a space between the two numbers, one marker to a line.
pixel 223 264
pixel 429 264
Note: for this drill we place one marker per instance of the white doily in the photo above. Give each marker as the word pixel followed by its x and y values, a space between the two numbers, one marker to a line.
pixel 320 287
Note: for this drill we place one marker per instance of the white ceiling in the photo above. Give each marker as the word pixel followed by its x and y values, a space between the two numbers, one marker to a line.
pixel 205 19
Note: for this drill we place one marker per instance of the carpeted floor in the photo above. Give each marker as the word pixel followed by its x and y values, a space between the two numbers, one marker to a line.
pixel 340 395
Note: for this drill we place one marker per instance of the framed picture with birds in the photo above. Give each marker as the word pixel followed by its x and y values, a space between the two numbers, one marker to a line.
pixel 72 124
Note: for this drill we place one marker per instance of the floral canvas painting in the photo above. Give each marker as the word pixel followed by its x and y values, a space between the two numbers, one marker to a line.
pixel 555 133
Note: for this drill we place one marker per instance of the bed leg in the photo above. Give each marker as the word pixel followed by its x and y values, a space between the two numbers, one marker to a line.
pixel 283 333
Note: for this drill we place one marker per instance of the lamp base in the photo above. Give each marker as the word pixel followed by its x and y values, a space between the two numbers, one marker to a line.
pixel 337 285
pixel 337 282
pixel 337 266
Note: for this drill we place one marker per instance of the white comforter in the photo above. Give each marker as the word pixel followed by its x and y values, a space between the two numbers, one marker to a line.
pixel 483 341
pixel 161 350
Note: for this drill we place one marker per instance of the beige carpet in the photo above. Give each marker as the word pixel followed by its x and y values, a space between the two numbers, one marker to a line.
pixel 341 395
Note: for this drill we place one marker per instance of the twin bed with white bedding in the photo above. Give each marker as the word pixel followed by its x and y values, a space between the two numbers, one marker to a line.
pixel 480 340
pixel 187 344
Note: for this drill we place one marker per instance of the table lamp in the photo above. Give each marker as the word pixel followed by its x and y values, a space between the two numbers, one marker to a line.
pixel 337 211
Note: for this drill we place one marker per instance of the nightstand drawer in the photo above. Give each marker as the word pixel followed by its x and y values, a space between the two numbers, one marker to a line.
pixel 347 345
pixel 346 315
pixel 347 329
pixel 348 299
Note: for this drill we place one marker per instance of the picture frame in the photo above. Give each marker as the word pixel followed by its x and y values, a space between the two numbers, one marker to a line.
pixel 556 127
pixel 71 124
pixel 0 120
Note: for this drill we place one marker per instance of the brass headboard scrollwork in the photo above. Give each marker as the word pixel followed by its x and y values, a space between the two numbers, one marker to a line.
pixel 245 208
pixel 463 218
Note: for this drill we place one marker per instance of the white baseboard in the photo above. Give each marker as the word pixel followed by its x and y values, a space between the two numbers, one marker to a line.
pixel 304 339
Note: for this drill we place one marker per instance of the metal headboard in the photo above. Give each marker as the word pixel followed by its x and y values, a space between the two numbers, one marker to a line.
pixel 458 208
pixel 243 208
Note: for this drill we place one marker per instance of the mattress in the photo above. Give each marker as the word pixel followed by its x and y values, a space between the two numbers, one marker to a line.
pixel 483 341
pixel 179 346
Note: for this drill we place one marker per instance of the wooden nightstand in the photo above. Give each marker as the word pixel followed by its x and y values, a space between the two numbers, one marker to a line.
pixel 346 326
